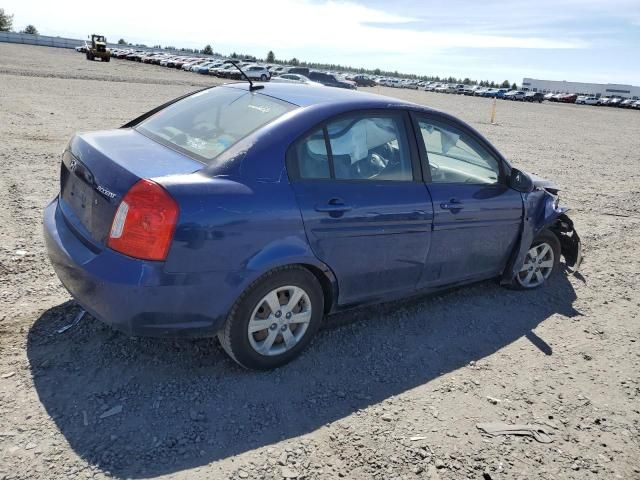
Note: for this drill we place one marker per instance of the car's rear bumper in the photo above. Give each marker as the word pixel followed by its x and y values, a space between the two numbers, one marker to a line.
pixel 135 296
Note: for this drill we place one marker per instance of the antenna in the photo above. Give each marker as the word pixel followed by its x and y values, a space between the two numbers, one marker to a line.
pixel 252 87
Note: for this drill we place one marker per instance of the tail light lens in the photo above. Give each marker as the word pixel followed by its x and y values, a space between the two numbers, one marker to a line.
pixel 144 223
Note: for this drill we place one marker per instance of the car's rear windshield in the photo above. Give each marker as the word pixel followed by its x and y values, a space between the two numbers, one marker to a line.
pixel 207 123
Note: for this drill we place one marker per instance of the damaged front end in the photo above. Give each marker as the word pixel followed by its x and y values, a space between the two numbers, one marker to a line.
pixel 541 211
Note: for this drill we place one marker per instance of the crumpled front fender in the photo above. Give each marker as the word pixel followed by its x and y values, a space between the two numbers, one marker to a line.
pixel 541 211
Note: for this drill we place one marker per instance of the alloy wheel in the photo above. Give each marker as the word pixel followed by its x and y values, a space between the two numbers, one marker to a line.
pixel 538 265
pixel 279 320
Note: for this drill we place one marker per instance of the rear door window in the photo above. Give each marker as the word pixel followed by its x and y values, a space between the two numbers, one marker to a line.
pixel 357 147
pixel 313 157
pixel 370 147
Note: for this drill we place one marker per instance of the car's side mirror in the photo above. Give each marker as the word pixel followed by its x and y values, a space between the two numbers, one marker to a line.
pixel 520 181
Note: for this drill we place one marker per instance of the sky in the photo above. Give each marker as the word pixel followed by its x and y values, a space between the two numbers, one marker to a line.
pixel 574 40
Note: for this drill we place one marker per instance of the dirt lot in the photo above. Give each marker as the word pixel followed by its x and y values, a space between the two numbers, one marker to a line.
pixel 392 392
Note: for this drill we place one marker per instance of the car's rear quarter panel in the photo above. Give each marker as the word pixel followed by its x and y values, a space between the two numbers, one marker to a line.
pixel 229 226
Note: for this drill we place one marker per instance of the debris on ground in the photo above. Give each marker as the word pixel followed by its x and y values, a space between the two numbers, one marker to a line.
pixel 76 320
pixel 496 428
pixel 112 411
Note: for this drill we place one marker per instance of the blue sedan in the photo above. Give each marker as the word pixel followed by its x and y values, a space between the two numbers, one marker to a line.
pixel 252 211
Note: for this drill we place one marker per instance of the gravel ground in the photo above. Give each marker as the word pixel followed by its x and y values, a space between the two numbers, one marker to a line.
pixel 391 392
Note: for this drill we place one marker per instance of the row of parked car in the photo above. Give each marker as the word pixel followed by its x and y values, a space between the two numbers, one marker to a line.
pixel 510 94
pixel 226 68
pixel 230 68
pixel 613 101
pixel 478 91
pixel 461 89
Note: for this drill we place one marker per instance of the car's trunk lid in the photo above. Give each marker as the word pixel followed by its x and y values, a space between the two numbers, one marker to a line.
pixel 99 168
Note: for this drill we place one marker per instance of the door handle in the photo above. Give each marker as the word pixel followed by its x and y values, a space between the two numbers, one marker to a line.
pixel 335 205
pixel 452 204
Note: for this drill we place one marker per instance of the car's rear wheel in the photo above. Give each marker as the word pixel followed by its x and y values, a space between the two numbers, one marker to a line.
pixel 540 262
pixel 263 78
pixel 274 320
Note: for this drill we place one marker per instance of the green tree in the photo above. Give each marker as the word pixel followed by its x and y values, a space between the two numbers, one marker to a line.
pixel 467 81
pixel 122 41
pixel 505 84
pixel 271 57
pixel 294 62
pixel 207 50
pixel 30 29
pixel 514 86
pixel 6 21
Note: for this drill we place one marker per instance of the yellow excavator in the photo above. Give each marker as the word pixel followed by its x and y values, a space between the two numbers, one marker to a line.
pixel 98 48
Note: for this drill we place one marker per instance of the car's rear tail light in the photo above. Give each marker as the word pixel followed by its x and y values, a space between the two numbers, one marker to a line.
pixel 144 223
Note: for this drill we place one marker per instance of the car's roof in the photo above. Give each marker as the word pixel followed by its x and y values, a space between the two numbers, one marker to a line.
pixel 305 95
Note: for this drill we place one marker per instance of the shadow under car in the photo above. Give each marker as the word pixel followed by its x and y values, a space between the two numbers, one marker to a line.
pixel 148 407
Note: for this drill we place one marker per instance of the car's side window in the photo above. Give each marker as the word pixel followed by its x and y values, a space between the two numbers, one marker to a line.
pixel 455 157
pixel 312 157
pixel 370 148
pixel 357 147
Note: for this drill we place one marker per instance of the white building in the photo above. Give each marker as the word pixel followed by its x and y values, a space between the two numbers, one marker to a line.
pixel 596 89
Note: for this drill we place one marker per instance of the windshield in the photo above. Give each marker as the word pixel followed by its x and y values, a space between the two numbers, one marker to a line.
pixel 206 124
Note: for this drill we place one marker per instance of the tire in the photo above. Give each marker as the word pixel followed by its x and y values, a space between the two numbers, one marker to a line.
pixel 540 263
pixel 107 59
pixel 263 78
pixel 252 310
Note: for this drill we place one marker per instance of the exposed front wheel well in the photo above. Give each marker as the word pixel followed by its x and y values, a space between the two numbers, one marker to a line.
pixel 569 240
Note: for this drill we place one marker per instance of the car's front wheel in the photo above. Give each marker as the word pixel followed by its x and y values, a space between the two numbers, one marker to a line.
pixel 274 320
pixel 540 262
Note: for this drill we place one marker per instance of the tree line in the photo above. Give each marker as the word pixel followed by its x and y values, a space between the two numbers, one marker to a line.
pixel 6 24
